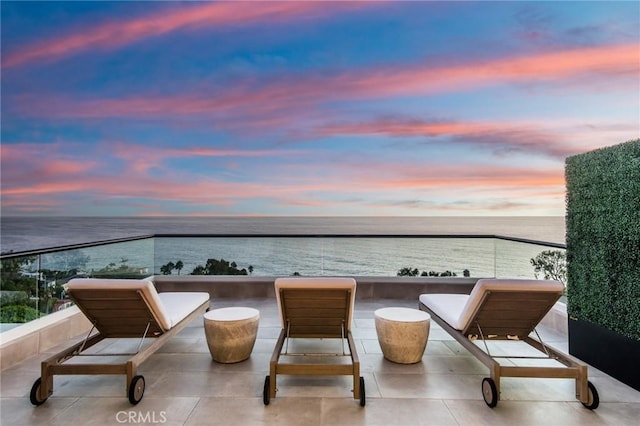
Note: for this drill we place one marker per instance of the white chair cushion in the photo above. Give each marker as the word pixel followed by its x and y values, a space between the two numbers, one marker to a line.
pixel 178 305
pixel 446 306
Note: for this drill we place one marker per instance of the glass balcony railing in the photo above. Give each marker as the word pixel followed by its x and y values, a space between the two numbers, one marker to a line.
pixel 32 283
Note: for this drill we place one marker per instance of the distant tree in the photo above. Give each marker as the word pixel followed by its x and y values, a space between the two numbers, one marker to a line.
pixel 552 264
pixel 438 274
pixel 17 314
pixel 466 273
pixel 168 268
pixel 414 272
pixel 250 269
pixel 8 298
pixel 12 278
pixel 219 267
pixel 408 272
pixel 199 270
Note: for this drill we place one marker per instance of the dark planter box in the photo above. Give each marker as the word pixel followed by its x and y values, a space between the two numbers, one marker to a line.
pixel 606 350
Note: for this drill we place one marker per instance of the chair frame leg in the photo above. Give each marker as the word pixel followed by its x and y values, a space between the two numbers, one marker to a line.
pixel 276 368
pixel 55 365
pixel 573 368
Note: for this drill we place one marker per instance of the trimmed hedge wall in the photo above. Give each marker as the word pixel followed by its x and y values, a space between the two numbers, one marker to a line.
pixel 603 237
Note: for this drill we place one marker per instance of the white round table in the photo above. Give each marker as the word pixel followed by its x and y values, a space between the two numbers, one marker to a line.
pixel 231 333
pixel 402 333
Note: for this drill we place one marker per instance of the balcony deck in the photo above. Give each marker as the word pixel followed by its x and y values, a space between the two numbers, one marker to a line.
pixel 185 387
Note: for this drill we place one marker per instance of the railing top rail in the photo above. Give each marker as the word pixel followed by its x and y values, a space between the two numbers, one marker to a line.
pixel 35 252
pixel 10 255
pixel 387 235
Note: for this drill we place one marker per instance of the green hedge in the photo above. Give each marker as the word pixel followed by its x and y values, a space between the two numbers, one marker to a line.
pixel 603 237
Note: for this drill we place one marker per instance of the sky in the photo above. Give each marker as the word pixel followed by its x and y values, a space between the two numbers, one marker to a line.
pixel 309 108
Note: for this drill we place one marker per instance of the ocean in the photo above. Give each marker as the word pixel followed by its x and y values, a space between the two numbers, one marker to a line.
pixel 284 255
pixel 29 233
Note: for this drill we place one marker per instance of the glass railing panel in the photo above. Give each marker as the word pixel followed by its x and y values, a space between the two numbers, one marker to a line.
pixel 259 256
pixel 129 259
pixel 391 256
pixel 19 298
pixel 35 285
pixel 515 259
pixel 353 256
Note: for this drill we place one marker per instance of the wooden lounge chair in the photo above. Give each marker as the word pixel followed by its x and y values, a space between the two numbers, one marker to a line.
pixel 501 309
pixel 120 309
pixel 315 308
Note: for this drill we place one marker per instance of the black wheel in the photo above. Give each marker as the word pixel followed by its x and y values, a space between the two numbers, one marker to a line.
pixel 363 400
pixel 489 392
pixel 35 391
pixel 266 393
pixel 136 389
pixel 594 399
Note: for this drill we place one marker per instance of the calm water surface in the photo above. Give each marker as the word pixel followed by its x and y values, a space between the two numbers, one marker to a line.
pixel 25 233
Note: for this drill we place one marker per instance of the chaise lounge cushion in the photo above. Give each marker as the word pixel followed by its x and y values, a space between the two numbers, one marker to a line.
pixel 458 309
pixel 178 305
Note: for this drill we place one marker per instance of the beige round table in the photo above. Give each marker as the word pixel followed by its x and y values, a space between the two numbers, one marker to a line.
pixel 231 333
pixel 402 333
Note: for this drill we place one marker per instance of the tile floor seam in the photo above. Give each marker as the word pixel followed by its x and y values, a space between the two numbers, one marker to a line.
pixel 450 411
pixel 191 413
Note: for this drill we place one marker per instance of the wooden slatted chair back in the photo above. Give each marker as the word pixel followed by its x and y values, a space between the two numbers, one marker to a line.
pixel 316 313
pixel 503 314
pixel 117 313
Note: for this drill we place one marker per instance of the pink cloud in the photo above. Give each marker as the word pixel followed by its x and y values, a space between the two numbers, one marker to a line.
pixel 282 100
pixel 53 174
pixel 343 179
pixel 30 162
pixel 142 158
pixel 394 188
pixel 317 186
pixel 498 137
pixel 209 14
pixel 387 176
pixel 606 60
pixel 464 176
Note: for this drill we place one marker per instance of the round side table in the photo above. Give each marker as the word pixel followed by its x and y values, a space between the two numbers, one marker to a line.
pixel 402 333
pixel 231 333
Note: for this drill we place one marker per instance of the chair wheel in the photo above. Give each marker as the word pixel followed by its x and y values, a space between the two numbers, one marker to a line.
pixel 363 400
pixel 266 393
pixel 594 399
pixel 35 391
pixel 489 392
pixel 136 389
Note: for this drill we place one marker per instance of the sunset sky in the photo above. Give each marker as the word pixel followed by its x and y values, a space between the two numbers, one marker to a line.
pixel 309 108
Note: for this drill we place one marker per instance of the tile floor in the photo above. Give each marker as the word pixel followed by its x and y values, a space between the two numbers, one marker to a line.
pixel 185 387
